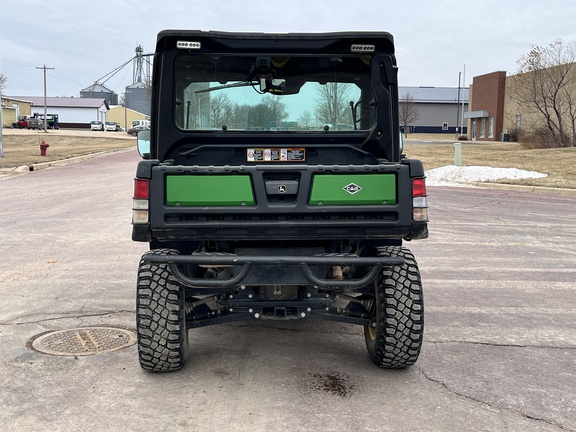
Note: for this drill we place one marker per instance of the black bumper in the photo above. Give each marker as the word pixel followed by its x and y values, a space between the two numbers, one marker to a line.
pixel 244 265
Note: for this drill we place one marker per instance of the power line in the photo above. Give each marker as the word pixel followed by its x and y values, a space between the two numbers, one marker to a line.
pixel 65 78
pixel 15 62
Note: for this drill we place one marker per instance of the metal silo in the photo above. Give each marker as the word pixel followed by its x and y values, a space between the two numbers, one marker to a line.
pixel 97 91
pixel 138 97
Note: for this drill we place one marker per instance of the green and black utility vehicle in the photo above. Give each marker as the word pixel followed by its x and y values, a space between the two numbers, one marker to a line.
pixel 273 186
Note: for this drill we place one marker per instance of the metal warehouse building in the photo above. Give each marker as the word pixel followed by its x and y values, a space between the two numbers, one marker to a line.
pixel 72 112
pixel 440 109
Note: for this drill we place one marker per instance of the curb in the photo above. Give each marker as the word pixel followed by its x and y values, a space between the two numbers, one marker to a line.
pixel 525 188
pixel 60 162
pixel 25 169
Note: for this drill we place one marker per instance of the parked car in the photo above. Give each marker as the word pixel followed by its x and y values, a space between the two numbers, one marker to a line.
pixel 111 126
pixel 35 123
pixel 96 125
pixel 134 130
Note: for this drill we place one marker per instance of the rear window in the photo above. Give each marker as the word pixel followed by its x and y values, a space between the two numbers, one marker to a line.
pixel 273 94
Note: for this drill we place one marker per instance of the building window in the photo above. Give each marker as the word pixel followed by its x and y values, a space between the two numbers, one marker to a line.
pixel 491 127
pixel 519 121
pixel 483 128
pixel 445 126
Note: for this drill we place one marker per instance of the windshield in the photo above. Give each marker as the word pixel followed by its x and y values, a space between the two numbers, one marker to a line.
pixel 278 94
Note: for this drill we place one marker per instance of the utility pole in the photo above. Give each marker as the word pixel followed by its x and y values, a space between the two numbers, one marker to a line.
pixel 463 99
pixel 44 68
pixel 1 125
pixel 458 105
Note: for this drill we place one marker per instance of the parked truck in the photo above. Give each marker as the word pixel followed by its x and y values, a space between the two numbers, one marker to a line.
pixel 143 123
pixel 51 120
pixel 22 122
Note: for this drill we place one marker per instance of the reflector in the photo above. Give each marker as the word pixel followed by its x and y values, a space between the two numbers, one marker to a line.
pixel 139 216
pixel 420 215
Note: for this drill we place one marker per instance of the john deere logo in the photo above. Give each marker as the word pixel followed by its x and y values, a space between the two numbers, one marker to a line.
pixel 352 188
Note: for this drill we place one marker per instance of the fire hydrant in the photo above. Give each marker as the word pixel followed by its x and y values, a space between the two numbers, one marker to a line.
pixel 43 147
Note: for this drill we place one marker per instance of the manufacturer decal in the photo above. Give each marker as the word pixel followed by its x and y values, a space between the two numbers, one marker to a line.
pixel 352 188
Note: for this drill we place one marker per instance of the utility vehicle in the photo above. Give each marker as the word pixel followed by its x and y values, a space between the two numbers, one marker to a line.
pixel 273 186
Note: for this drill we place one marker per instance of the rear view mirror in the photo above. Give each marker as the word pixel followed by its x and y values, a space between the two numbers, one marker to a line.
pixel 270 85
pixel 144 143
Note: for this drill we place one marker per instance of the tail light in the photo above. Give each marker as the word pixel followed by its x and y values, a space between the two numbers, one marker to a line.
pixel 419 200
pixel 140 202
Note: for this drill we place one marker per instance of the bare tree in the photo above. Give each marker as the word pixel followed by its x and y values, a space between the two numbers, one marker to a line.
pixel 408 112
pixel 546 85
pixel 3 80
pixel 220 108
pixel 333 104
pixel 268 113
pixel 239 115
pixel 305 119
pixel 277 109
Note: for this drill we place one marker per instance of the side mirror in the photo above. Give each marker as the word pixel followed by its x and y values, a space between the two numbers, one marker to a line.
pixel 143 139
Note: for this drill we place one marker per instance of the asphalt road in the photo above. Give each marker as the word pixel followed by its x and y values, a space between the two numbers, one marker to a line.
pixel 499 274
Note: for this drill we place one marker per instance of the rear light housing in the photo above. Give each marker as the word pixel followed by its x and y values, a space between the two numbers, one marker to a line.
pixel 140 213
pixel 419 200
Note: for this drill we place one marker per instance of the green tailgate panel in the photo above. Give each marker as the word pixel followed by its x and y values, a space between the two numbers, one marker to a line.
pixel 353 189
pixel 209 190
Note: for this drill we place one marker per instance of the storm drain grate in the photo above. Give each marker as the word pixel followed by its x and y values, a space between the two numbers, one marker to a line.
pixel 83 341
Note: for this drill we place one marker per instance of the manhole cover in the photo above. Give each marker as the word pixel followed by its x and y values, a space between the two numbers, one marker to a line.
pixel 82 341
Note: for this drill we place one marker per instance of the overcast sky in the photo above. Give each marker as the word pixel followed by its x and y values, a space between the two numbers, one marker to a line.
pixel 86 40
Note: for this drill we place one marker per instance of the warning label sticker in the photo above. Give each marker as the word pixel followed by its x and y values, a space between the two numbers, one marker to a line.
pixel 276 155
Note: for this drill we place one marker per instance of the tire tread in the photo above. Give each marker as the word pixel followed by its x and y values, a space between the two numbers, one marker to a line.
pixel 160 317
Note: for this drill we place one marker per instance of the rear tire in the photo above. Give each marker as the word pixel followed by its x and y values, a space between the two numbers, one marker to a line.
pixel 160 317
pixel 396 338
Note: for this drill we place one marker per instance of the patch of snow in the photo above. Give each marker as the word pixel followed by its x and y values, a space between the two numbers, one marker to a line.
pixel 453 175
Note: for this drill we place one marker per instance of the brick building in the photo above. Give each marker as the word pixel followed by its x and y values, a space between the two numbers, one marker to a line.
pixel 486 113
